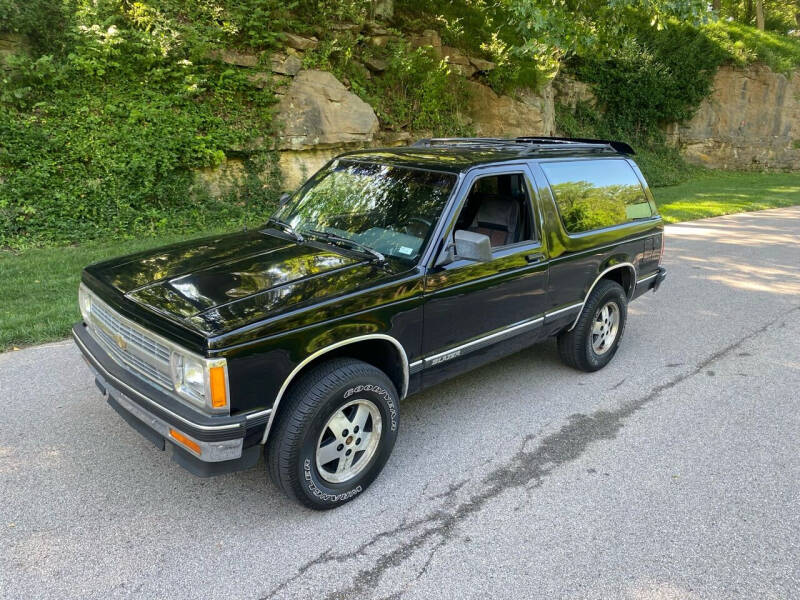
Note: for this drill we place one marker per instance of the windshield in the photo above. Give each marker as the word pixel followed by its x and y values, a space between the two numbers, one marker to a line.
pixel 386 208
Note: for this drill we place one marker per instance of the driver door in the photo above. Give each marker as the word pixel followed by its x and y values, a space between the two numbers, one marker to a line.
pixel 478 311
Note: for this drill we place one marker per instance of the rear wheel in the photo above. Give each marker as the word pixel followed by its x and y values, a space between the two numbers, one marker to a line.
pixel 335 433
pixel 594 340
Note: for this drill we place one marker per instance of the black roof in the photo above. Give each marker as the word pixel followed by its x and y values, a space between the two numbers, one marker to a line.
pixel 458 154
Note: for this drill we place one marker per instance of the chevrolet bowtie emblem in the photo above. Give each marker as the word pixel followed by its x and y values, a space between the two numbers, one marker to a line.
pixel 120 341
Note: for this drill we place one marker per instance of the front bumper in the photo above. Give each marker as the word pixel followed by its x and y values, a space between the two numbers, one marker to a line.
pixel 203 444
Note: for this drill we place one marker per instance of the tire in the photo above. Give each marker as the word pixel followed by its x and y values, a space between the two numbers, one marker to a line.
pixel 312 419
pixel 581 347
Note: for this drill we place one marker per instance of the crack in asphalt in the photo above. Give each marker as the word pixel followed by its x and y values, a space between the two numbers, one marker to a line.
pixel 526 469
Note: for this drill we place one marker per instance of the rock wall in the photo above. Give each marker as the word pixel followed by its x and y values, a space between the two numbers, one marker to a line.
pixel 750 121
pixel 492 115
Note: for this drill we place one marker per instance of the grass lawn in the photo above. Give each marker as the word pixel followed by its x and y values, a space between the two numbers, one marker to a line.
pixel 39 287
pixel 713 193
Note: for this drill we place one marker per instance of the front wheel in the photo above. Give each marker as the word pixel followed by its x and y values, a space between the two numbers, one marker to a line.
pixel 335 433
pixel 594 340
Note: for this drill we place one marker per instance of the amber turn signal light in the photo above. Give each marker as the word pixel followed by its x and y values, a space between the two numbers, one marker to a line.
pixel 219 397
pixel 185 441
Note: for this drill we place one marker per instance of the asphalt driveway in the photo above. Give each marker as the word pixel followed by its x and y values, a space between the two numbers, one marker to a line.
pixel 672 473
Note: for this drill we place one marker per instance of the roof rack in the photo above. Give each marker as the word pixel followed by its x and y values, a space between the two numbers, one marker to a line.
pixel 528 144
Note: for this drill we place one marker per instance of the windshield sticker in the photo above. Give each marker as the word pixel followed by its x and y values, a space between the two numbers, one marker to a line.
pixel 405 250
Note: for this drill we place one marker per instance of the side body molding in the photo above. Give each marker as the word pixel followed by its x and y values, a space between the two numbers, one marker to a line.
pixel 373 336
pixel 629 292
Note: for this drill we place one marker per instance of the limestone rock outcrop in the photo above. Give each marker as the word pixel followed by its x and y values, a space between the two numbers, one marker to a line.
pixel 319 118
pixel 316 110
pixel 493 115
pixel 750 121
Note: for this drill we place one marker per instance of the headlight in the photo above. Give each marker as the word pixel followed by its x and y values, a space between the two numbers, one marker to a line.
pixel 85 302
pixel 204 382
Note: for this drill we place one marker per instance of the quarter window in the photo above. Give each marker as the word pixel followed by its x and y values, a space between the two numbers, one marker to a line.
pixel 593 194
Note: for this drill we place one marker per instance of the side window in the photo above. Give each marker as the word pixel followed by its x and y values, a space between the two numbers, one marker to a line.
pixel 593 194
pixel 498 206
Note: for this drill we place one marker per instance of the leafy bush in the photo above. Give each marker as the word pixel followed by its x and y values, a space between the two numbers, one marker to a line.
pixel 655 77
pixel 417 92
pixel 98 136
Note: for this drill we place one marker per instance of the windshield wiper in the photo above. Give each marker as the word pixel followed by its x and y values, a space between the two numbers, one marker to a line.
pixel 287 228
pixel 334 238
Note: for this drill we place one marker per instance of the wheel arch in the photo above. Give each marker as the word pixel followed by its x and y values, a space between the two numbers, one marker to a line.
pixel 380 350
pixel 622 272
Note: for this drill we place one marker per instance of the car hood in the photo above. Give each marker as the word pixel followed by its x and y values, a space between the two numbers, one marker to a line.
pixel 216 284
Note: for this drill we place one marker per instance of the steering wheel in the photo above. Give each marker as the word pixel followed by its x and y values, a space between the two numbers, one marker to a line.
pixel 415 230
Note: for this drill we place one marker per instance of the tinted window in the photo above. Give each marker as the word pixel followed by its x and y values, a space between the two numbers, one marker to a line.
pixel 592 194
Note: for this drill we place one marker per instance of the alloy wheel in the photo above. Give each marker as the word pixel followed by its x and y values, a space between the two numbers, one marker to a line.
pixel 348 441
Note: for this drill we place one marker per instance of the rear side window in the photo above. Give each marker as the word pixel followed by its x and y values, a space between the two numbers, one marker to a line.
pixel 593 194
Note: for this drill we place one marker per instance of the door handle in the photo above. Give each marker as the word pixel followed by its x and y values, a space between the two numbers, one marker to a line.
pixel 534 258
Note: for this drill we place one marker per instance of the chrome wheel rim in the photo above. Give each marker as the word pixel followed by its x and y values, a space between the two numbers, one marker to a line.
pixel 348 441
pixel 605 327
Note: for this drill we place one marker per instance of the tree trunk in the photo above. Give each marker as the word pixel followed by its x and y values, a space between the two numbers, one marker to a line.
pixel 748 11
pixel 716 5
pixel 760 14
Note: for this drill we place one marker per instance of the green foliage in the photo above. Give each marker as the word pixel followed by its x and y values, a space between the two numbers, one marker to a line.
pixel 661 164
pixel 97 138
pixel 713 193
pixel 587 26
pixel 418 92
pixel 41 20
pixel 585 207
pixel 655 77
pixel 660 76
pixel 485 29
pixel 119 100
pixel 743 44
pixel 529 38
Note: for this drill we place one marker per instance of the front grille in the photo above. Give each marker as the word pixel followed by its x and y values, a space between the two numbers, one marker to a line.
pixel 130 345
pixel 135 337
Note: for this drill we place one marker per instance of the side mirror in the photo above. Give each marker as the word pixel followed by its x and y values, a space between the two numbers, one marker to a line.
pixel 472 246
pixel 284 198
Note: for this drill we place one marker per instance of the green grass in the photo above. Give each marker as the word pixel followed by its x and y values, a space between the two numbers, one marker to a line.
pixel 711 194
pixel 38 287
pixel 746 44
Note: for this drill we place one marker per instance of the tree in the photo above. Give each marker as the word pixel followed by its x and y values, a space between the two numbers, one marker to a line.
pixel 760 14
pixel 572 26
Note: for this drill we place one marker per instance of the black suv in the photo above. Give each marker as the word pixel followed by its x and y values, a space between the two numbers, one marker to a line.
pixel 387 272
